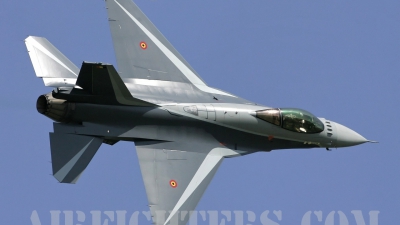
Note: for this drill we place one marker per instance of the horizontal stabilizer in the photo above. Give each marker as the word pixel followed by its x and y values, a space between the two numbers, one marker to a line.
pixel 50 64
pixel 71 154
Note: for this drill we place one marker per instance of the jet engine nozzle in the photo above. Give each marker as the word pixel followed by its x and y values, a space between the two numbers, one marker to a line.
pixel 58 110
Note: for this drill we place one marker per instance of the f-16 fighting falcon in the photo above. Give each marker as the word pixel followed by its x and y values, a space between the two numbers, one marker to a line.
pixel 182 128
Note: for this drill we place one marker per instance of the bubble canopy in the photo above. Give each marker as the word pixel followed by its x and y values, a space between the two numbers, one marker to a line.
pixel 292 119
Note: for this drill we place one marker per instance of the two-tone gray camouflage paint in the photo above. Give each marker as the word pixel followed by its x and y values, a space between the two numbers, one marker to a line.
pixel 182 128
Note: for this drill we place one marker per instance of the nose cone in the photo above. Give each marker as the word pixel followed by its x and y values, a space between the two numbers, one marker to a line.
pixel 347 137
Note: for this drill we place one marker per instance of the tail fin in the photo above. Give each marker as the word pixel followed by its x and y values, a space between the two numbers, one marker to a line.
pixel 99 84
pixel 50 64
pixel 71 154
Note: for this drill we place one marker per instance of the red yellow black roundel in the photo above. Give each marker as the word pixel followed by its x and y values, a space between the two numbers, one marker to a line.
pixel 173 183
pixel 143 45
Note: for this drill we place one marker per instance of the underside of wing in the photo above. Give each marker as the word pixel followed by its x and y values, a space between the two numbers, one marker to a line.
pixel 175 180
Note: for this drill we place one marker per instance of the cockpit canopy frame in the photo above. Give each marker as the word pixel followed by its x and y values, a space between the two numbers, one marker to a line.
pixel 292 119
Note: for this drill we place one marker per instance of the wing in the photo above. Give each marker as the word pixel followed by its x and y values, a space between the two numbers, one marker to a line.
pixel 175 180
pixel 144 55
pixel 141 50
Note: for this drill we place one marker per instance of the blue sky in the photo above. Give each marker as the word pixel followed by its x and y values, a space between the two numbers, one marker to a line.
pixel 337 59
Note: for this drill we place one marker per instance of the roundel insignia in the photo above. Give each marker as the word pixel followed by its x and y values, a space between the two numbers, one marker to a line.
pixel 173 183
pixel 143 45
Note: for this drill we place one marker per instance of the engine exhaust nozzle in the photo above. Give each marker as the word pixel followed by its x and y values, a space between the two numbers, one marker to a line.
pixel 58 110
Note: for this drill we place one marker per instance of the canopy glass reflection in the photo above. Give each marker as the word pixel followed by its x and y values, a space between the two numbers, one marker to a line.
pixel 292 119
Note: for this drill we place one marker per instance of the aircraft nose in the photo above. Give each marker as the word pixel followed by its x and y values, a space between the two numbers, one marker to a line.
pixel 347 137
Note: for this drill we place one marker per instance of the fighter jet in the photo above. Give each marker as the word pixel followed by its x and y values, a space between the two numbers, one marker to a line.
pixel 182 128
